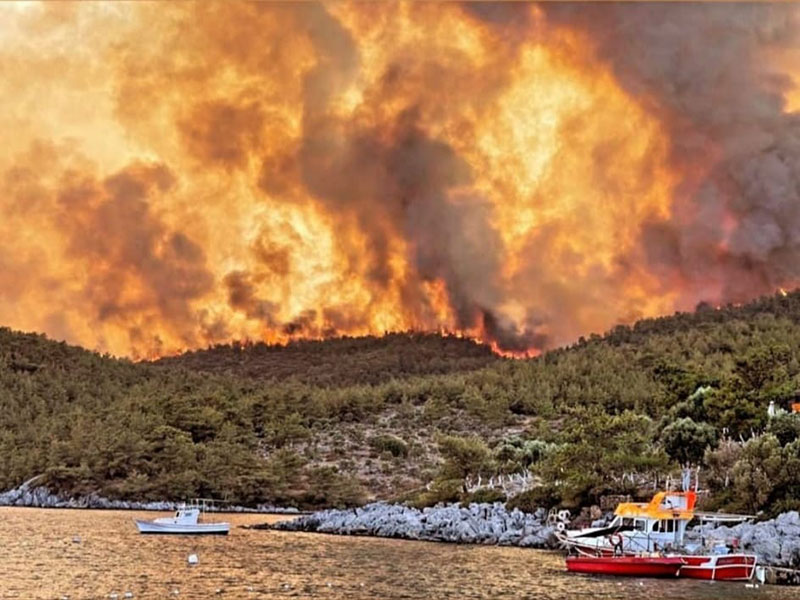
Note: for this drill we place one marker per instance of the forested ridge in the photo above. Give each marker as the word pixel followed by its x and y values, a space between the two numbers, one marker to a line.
pixel 341 361
pixel 413 416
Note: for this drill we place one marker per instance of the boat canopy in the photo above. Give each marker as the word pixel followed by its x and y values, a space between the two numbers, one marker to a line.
pixel 664 505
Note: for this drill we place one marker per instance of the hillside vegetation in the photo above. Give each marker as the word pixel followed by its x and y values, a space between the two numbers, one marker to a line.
pixel 341 361
pixel 415 416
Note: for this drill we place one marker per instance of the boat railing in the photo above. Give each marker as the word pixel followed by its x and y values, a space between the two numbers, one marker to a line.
pixel 717 517
pixel 203 504
pixel 641 544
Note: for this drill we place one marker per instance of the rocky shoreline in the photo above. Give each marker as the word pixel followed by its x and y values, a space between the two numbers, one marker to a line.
pixel 474 524
pixel 29 495
pixel 776 542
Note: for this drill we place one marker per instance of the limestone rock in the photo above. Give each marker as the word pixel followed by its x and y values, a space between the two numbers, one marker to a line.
pixel 474 524
pixel 776 542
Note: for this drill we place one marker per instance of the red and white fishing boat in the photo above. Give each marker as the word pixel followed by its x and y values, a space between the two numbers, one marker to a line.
pixel 652 532
pixel 634 566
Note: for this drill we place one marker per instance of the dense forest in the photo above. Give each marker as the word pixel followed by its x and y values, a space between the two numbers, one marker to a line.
pixel 417 417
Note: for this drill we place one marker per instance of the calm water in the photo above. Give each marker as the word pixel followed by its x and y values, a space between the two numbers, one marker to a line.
pixel 38 559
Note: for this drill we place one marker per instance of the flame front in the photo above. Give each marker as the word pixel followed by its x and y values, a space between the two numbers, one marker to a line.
pixel 186 174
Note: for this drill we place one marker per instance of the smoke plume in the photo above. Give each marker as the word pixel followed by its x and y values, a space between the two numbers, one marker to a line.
pixel 176 175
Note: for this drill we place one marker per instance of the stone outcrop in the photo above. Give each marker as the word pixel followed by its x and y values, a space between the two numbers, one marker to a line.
pixel 28 494
pixel 474 524
pixel 776 542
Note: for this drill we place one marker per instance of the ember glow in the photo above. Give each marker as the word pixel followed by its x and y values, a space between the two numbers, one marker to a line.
pixel 177 175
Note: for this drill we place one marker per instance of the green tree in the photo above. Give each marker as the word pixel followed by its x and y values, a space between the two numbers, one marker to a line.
pixel 757 471
pixel 786 427
pixel 464 456
pixel 686 441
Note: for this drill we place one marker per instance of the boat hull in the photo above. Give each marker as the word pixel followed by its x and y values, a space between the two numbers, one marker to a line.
pixel 724 567
pixel 631 566
pixel 150 527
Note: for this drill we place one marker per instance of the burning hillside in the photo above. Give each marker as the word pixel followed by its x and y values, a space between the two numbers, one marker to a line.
pixel 180 175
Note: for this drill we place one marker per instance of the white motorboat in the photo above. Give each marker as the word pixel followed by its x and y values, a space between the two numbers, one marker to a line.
pixel 185 521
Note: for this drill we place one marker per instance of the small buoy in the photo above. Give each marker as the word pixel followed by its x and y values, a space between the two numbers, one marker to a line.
pixel 192 559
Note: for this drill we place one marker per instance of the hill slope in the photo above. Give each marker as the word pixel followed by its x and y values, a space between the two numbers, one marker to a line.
pixel 341 361
pixel 324 423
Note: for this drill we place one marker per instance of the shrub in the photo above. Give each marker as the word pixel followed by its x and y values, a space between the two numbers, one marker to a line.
pixel 720 461
pixel 391 444
pixel 543 496
pixel 487 495
pixel 442 490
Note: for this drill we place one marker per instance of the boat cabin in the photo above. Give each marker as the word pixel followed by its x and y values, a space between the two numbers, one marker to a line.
pixel 660 523
pixel 187 514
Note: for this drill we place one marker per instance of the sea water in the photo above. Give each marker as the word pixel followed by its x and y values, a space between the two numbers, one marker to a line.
pixel 90 554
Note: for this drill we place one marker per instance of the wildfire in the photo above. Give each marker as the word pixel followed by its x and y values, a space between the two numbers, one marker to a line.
pixel 185 174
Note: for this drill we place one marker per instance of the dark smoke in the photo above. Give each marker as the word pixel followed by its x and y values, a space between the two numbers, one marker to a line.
pixel 397 180
pixel 136 268
pixel 705 70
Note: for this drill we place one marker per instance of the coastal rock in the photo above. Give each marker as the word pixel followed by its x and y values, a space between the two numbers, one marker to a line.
pixel 776 542
pixel 30 495
pixel 788 524
pixel 474 524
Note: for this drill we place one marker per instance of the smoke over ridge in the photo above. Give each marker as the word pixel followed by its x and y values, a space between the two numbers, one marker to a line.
pixel 180 175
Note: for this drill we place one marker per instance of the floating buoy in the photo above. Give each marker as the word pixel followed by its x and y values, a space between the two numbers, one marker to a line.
pixel 192 559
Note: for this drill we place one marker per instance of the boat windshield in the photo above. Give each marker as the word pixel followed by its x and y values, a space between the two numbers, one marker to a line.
pixel 637 524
